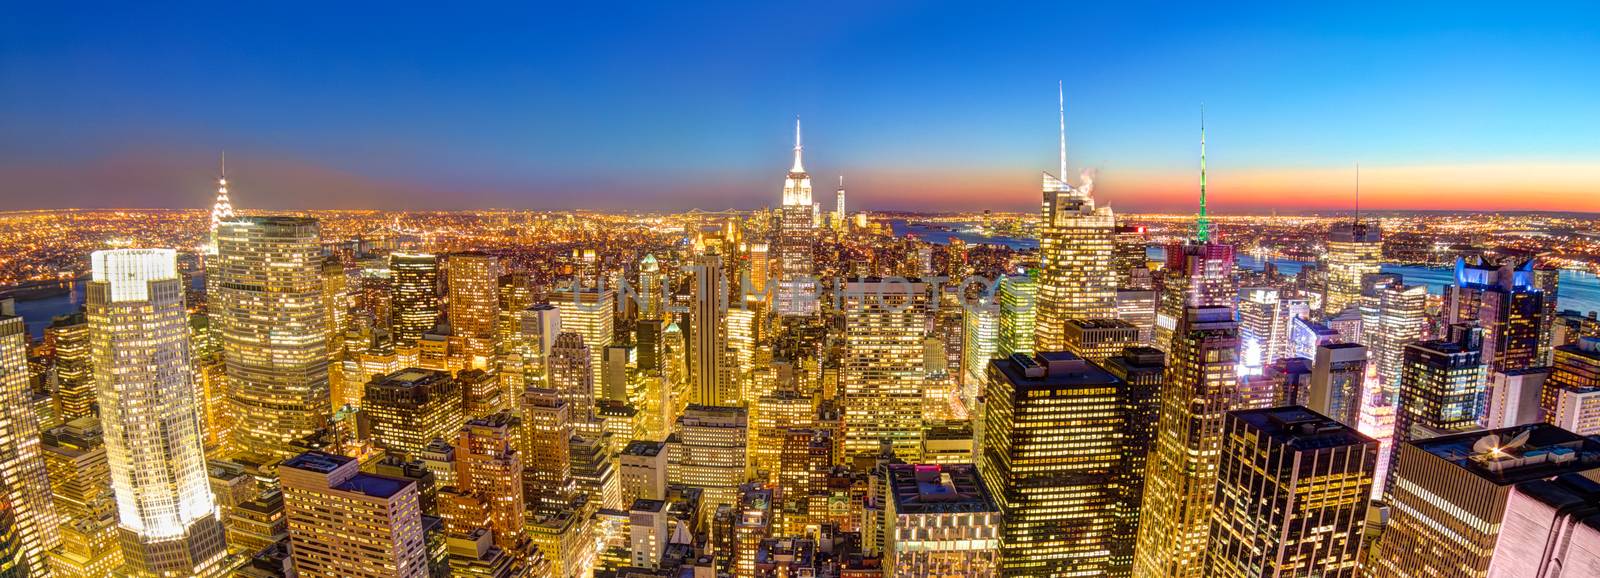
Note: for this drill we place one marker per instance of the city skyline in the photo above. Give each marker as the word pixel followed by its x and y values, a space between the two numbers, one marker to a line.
pixel 929 107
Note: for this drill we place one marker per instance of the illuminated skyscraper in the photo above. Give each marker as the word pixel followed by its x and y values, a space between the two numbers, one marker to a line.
pixel 1291 498
pixel 547 427
pixel 655 294
pixel 346 523
pixel 412 407
pixel 1450 493
pixel 1076 249
pixel 1056 456
pixel 268 307
pixel 474 303
pixel 592 314
pixel 980 343
pixel 1132 261
pixel 1506 303
pixel 23 478
pixel 1265 316
pixel 537 328
pixel 709 378
pixel 570 375
pixel 1400 321
pixel 336 298
pixel 882 373
pixel 1181 477
pixel 1197 275
pixel 941 522
pixel 80 482
pixel 489 468
pixel 1338 376
pixel 1100 339
pixel 414 296
pixel 1017 296
pixel 796 233
pixel 838 210
pixel 1355 250
pixel 68 335
pixel 707 450
pixel 1571 396
pixel 1441 386
pixel 149 408
pixel 222 209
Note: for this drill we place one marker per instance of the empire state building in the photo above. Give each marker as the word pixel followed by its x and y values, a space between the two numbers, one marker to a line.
pixel 796 231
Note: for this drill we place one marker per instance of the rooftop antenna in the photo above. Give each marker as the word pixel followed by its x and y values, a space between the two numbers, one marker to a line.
pixel 1358 193
pixel 1202 225
pixel 1061 103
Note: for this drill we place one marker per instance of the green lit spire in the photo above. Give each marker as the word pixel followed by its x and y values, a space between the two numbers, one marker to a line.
pixel 1202 225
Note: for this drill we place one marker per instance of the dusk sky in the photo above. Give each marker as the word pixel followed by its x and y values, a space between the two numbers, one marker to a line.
pixel 920 105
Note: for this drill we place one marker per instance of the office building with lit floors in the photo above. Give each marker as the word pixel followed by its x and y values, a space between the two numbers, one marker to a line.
pixel 1571 395
pixel 1551 530
pixel 474 282
pixel 13 564
pixel 707 450
pixel 346 523
pixel 1061 443
pixel 24 480
pixel 414 295
pixel 1354 251
pixel 1442 385
pixel 1181 475
pixel 1450 494
pixel 150 412
pixel 1503 300
pixel 1076 247
pixel 883 374
pixel 1198 274
pixel 1292 494
pixel 411 407
pixel 942 522
pixel 1338 376
pixel 269 310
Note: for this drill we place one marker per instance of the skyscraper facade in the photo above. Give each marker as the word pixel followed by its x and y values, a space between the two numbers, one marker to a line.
pixel 23 477
pixel 474 281
pixel 1354 251
pixel 68 336
pixel 796 234
pixel 1076 250
pixel 414 296
pixel 1180 479
pixel 592 314
pixel 149 408
pixel 709 377
pixel 1017 296
pixel 347 523
pixel 269 310
pixel 882 372
pixel 1291 498
pixel 1506 303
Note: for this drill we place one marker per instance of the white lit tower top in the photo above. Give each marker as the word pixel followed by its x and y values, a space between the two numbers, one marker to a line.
pixel 797 186
pixel 222 209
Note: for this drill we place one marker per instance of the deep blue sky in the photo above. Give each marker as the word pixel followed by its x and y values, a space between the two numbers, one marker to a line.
pixel 676 105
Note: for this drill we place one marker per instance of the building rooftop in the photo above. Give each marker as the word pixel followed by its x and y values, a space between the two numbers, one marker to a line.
pixel 1052 369
pixel 644 448
pixel 1516 454
pixel 1301 428
pixel 936 489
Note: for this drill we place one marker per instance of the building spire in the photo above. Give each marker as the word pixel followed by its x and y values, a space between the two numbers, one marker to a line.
pixel 1358 193
pixel 1061 104
pixel 1202 224
pixel 223 208
pixel 798 167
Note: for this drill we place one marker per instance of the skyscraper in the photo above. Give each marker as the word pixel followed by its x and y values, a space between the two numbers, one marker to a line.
pixel 1017 297
pixel 1060 443
pixel 882 372
pixel 980 343
pixel 1571 395
pixel 547 429
pixel 414 296
pixel 268 307
pixel 474 281
pixel 1506 303
pixel 1400 321
pixel 1076 248
pixel 838 211
pixel 80 481
pixel 149 408
pixel 1450 493
pixel 1551 530
pixel 592 314
pixel 412 407
pixel 1338 376
pixel 1291 498
pixel 941 522
pixel 796 291
pixel 346 523
pixel 1354 251
pixel 571 377
pixel 1198 274
pixel 707 451
pixel 1441 386
pixel 23 478
pixel 489 468
pixel 68 335
pixel 1265 316
pixel 709 377
pixel 1180 479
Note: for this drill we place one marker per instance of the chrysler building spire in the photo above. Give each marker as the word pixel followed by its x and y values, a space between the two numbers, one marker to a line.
pixel 223 209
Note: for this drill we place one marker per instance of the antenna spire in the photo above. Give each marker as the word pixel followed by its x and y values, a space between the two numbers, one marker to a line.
pixel 1358 193
pixel 798 167
pixel 1202 225
pixel 1061 103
